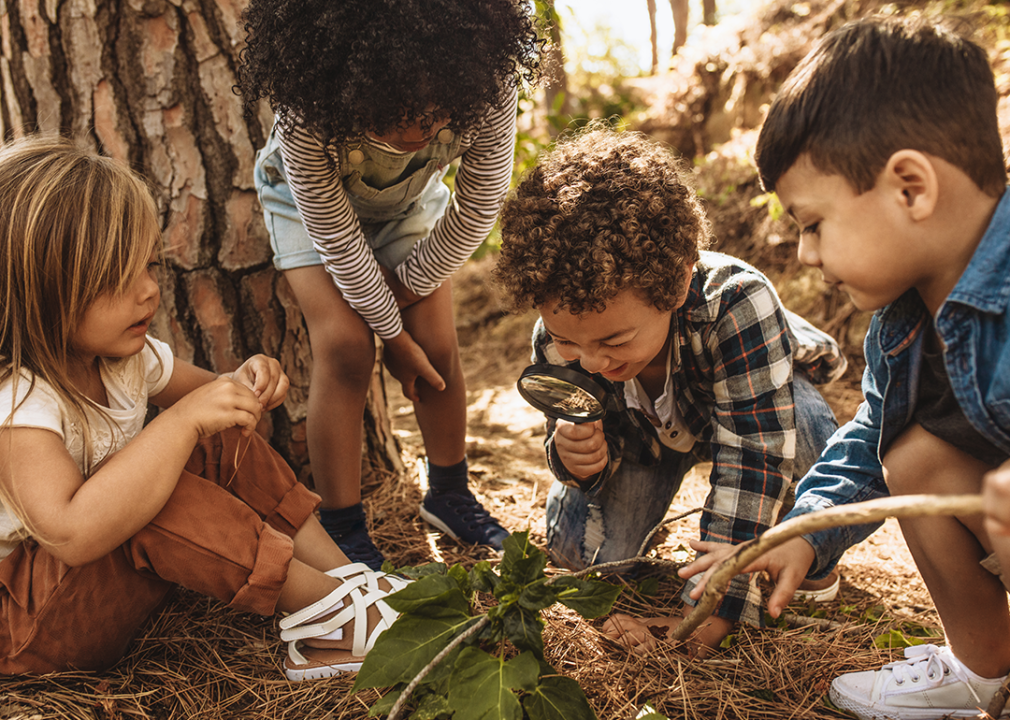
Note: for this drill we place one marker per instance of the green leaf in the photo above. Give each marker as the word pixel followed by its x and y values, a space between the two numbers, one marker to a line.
pixel 558 698
pixel 414 572
pixel 896 639
pixel 538 596
pixel 481 687
pixel 483 578
pixel 589 598
pixel 524 629
pixel 385 703
pixel 462 578
pixel 432 596
pixel 649 586
pixel 432 706
pixel 515 547
pixel 407 646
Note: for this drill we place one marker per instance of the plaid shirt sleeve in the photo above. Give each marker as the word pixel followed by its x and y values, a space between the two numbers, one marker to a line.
pixel 746 356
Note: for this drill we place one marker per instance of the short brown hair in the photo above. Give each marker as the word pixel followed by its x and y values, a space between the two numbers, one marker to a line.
pixel 604 211
pixel 882 84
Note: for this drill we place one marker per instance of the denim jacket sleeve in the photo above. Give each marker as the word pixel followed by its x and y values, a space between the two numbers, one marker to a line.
pixel 849 469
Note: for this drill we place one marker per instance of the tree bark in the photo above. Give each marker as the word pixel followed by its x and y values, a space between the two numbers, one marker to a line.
pixel 150 83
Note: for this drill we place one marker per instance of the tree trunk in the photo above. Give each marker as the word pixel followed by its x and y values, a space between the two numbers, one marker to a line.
pixel 150 82
pixel 653 36
pixel 556 90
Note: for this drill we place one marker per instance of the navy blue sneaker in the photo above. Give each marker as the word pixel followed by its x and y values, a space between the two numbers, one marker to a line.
pixel 358 547
pixel 462 517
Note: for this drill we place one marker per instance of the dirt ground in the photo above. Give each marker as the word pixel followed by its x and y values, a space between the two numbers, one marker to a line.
pixel 509 474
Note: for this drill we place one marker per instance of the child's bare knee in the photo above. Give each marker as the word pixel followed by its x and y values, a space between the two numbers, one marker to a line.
pixel 920 462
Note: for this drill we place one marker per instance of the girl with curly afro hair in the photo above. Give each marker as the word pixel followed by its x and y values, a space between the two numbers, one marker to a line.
pixel 700 361
pixel 373 100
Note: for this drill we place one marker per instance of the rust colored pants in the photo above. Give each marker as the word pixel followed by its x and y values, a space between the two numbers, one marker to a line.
pixel 224 533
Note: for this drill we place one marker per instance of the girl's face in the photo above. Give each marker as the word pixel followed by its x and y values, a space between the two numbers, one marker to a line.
pixel 413 136
pixel 116 325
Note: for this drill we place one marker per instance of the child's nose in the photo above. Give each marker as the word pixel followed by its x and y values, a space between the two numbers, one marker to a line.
pixel 594 362
pixel 807 253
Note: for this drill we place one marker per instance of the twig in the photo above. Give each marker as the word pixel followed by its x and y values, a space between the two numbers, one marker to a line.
pixel 652 533
pixel 904 506
pixel 456 642
pixel 803 621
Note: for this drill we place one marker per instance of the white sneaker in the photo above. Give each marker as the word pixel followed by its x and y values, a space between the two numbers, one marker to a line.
pixel 930 683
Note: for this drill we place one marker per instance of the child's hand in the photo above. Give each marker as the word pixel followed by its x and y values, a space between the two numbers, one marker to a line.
pixel 217 406
pixel 404 296
pixel 263 375
pixel 582 447
pixel 640 634
pixel 407 362
pixel 787 565
pixel 996 501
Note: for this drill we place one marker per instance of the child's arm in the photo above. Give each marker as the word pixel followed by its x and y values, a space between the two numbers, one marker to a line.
pixel 581 447
pixel 787 565
pixel 261 374
pixel 78 521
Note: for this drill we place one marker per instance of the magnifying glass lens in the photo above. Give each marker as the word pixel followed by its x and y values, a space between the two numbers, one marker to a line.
pixel 562 393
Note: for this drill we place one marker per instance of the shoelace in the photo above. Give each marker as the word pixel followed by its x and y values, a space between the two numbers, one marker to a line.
pixel 929 661
pixel 468 509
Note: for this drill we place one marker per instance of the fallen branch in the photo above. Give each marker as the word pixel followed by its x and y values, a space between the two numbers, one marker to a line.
pixel 905 506
pixel 401 701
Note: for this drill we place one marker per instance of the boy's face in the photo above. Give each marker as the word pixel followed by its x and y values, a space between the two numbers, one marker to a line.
pixel 860 243
pixel 618 343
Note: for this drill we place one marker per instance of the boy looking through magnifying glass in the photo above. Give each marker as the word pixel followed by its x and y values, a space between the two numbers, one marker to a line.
pixel 606 239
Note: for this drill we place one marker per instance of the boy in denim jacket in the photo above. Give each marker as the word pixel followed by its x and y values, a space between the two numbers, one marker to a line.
pixel 883 146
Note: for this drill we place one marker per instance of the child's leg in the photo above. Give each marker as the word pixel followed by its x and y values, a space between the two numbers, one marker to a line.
pixel 951 681
pixel 441 416
pixel 971 601
pixel 265 483
pixel 55 617
pixel 343 356
pixel 612 523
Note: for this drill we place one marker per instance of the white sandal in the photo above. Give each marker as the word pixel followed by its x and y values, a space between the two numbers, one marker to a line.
pixel 360 585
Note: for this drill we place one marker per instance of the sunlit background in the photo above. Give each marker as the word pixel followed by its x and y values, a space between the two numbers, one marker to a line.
pixel 619 29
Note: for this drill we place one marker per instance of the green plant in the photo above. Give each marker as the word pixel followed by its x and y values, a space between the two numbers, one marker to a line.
pixel 479 676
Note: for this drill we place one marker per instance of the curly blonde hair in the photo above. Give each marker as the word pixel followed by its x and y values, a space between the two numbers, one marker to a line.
pixel 603 212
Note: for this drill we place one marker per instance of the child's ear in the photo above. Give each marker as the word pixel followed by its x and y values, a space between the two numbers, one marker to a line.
pixel 911 174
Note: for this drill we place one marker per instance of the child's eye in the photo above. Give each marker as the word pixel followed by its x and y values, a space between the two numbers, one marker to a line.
pixel 614 345
pixel 811 229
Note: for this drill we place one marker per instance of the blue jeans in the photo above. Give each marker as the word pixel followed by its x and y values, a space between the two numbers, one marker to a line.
pixel 611 523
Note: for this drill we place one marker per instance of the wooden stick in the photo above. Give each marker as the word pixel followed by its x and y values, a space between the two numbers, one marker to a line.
pixel 904 506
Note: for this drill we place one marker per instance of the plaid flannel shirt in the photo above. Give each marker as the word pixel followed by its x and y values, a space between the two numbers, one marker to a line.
pixel 737 346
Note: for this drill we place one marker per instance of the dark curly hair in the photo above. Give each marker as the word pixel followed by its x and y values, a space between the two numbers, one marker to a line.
pixel 604 211
pixel 341 67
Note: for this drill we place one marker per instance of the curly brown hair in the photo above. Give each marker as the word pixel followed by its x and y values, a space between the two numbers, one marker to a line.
pixel 602 212
pixel 343 67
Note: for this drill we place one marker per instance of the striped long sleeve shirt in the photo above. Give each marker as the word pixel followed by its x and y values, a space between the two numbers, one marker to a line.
pixel 315 178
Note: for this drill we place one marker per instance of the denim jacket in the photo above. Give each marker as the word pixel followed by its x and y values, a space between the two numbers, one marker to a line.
pixel 974 325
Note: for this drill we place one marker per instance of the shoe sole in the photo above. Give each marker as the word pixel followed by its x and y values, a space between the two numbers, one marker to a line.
pixel 318 672
pixel 819 596
pixel 844 702
pixel 433 519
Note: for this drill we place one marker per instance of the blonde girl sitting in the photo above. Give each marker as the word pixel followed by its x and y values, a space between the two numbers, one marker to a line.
pixel 101 517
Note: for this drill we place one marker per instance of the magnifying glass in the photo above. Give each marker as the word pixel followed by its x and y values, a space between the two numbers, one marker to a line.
pixel 562 393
